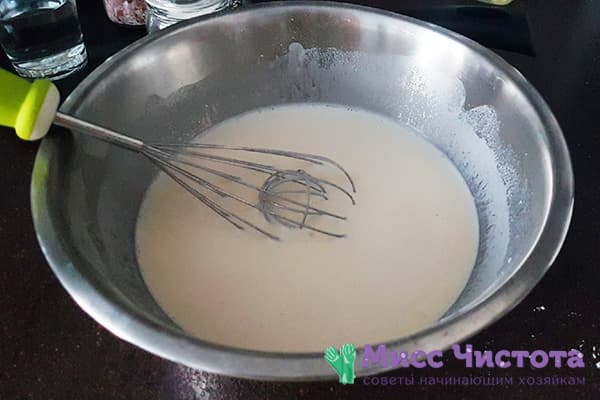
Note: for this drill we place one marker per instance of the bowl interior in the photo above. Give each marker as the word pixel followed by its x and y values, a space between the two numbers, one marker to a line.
pixel 183 81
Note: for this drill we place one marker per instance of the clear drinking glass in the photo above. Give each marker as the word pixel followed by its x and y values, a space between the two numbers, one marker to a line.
pixel 498 2
pixel 164 13
pixel 42 38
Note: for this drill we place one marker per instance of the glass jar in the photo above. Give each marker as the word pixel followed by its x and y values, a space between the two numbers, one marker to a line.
pixel 126 12
pixel 164 13
pixel 497 2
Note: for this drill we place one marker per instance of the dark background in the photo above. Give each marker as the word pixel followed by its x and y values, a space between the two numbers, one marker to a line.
pixel 50 349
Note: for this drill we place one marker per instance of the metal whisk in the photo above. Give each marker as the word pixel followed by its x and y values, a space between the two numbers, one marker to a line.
pixel 285 196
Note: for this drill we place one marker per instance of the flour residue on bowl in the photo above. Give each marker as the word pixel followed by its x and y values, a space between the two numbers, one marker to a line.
pixel 412 240
pixel 432 101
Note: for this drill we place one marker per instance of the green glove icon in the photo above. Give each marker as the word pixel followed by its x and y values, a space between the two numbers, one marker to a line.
pixel 342 362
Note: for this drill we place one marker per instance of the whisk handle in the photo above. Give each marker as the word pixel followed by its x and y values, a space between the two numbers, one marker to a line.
pixel 98 132
pixel 28 107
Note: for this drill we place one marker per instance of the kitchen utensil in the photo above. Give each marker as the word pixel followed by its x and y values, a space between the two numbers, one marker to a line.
pixel 285 196
pixel 477 109
pixel 42 38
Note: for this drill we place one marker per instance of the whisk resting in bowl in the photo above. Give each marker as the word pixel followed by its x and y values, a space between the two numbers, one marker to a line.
pixel 286 196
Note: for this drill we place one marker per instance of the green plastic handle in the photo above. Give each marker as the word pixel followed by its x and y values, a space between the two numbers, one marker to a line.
pixel 28 107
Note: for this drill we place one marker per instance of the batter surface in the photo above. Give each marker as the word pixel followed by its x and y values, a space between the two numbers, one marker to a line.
pixel 411 245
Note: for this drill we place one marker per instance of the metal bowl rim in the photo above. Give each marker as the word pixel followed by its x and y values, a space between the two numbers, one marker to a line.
pixel 172 344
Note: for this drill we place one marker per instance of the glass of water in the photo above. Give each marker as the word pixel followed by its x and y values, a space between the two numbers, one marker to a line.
pixel 42 38
pixel 164 13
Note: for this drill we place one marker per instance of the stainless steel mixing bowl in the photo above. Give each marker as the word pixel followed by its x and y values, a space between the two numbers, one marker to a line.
pixel 463 98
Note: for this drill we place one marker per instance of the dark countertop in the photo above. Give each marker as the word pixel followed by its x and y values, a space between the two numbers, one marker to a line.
pixel 50 349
